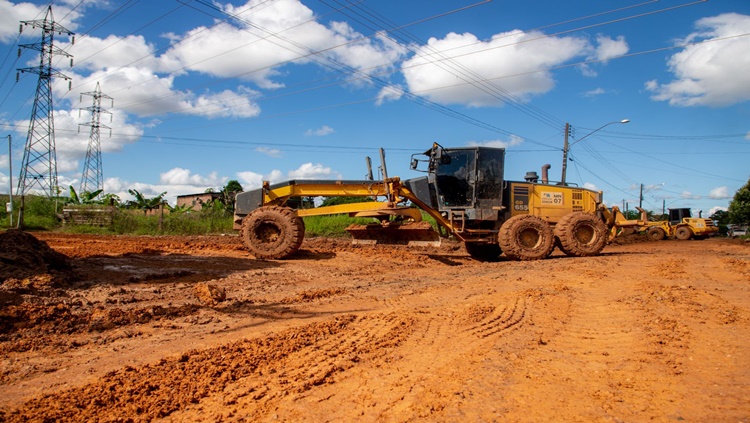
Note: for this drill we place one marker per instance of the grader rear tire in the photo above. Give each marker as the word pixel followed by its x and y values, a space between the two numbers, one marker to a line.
pixel 581 234
pixel 657 234
pixel 683 233
pixel 526 237
pixel 273 232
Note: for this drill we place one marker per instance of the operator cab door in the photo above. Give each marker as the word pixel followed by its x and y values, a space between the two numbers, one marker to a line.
pixel 456 179
pixel 489 185
pixel 471 178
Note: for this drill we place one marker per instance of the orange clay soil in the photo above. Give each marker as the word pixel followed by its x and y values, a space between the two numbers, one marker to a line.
pixel 119 328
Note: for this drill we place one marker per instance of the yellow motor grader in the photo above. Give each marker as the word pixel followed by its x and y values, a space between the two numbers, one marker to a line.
pixel 464 191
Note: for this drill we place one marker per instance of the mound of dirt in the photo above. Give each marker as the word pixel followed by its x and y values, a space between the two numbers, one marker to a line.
pixel 30 263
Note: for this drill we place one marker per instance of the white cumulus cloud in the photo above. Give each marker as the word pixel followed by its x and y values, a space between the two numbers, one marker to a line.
pixel 73 134
pixel 11 14
pixel 180 176
pixel 313 171
pixel 687 195
pixel 512 141
pixel 608 47
pixel 271 152
pixel 589 185
pixel 719 193
pixel 270 35
pixel 712 73
pixel 320 132
pixel 514 60
pixel 389 93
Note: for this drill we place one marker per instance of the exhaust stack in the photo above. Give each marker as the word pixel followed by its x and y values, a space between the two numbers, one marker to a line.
pixel 545 173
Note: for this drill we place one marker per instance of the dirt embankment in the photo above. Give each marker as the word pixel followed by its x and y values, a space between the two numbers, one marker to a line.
pixel 196 329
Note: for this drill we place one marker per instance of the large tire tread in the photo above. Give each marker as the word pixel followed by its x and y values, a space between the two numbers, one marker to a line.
pixel 526 237
pixel 273 232
pixel 581 234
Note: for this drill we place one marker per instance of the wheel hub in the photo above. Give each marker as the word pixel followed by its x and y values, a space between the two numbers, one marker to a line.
pixel 585 234
pixel 267 232
pixel 529 238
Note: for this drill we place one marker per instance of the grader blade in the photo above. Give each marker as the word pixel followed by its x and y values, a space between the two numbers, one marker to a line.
pixel 412 233
pixel 404 213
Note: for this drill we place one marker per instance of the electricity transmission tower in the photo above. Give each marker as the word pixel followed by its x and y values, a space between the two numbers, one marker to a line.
pixel 92 179
pixel 39 166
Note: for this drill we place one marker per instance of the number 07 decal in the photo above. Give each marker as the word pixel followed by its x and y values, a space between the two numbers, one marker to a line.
pixel 552 198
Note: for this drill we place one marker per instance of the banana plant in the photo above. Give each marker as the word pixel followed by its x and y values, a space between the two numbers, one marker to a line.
pixel 85 197
pixel 144 203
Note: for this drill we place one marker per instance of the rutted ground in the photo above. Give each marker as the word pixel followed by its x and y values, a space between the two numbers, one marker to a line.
pixel 196 329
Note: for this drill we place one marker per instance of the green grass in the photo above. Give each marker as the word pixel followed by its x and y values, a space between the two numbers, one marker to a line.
pixel 40 214
pixel 195 223
pixel 332 226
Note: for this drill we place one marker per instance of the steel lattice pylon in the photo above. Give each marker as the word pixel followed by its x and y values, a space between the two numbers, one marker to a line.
pixel 39 166
pixel 92 178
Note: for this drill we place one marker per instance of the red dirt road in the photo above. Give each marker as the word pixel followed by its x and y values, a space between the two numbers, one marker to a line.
pixel 196 329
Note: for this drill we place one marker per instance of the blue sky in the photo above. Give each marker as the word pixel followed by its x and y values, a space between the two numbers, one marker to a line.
pixel 205 92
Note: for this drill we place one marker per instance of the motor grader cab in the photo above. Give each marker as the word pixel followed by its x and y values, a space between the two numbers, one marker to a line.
pixel 681 225
pixel 464 184
pixel 464 191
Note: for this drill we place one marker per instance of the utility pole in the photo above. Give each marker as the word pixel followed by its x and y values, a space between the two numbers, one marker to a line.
pixel 39 165
pixel 566 147
pixel 640 198
pixel 92 179
pixel 9 207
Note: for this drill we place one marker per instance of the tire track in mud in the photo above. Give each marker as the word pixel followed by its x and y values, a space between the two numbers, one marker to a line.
pixel 585 339
pixel 382 364
pixel 506 318
pixel 433 373
pixel 677 318
pixel 262 370
pixel 594 358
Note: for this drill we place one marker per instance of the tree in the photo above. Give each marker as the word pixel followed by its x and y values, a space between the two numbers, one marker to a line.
pixel 228 194
pixel 232 186
pixel 180 209
pixel 720 216
pixel 85 197
pixel 144 203
pixel 110 200
pixel 739 207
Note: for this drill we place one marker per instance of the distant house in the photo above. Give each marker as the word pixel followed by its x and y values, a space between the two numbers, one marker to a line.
pixel 197 200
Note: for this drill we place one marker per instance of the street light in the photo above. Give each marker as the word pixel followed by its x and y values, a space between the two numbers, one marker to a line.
pixel 566 146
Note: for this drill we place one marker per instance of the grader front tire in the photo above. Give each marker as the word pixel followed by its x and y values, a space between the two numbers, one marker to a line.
pixel 526 237
pixel 273 232
pixel 581 234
